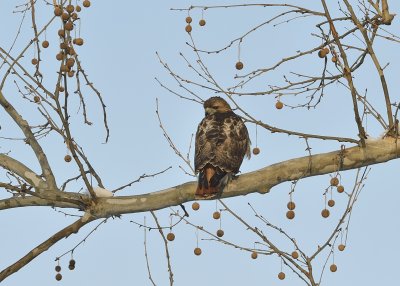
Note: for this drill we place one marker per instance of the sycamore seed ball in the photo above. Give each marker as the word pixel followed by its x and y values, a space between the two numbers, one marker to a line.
pixel 70 8
pixel 334 181
pixel 220 233
pixel 34 61
pixel 78 8
pixel 325 213
pixel 71 267
pixel 79 41
pixel 195 206
pixel 45 44
pixel 72 262
pixel 171 236
pixel 69 26
pixel 36 99
pixel 197 251
pixel 58 268
pixel 340 189
pixel 333 268
pixel 65 16
pixel 202 22
pixel 254 255
pixel 58 11
pixel 281 275
pixel 188 19
pixel 188 28
pixel 216 215
pixel 58 276
pixel 331 203
pixel 279 104
pixel 341 247
pixel 291 205
pixel 239 65
pixel 67 158
pixel 60 56
pixel 256 151
pixel 290 214
pixel 86 3
pixel 295 254
pixel 61 89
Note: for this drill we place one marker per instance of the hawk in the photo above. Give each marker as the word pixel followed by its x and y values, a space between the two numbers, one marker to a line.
pixel 222 141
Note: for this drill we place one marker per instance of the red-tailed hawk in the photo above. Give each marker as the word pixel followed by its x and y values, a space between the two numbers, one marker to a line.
pixel 222 141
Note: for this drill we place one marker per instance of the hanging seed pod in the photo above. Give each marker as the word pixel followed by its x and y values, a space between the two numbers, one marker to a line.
pixel 291 205
pixel 239 65
pixel 290 214
pixel 197 251
pixel 78 8
pixel 281 275
pixel 58 11
pixel 34 61
pixel 256 151
pixel 45 44
pixel 279 104
pixel 188 19
pixel 254 255
pixel 86 3
pixel 216 215
pixel 220 233
pixel 195 206
pixel 171 236
pixel 202 22
pixel 58 276
pixel 70 8
pixel 67 158
pixel 36 99
pixel 325 213
pixel 69 26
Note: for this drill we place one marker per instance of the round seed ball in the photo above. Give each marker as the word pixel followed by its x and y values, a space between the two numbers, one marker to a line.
pixel 341 247
pixel 58 11
pixel 36 99
pixel 45 44
pixel 291 205
pixel 340 189
pixel 64 68
pixel 281 275
pixel 86 3
pixel 71 267
pixel 239 65
pixel 70 8
pixel 188 28
pixel 60 56
pixel 188 19
pixel 254 255
pixel 61 89
pixel 334 181
pixel 325 213
pixel 202 22
pixel 63 45
pixel 197 251
pixel 295 254
pixel 290 214
pixel 333 267
pixel 279 104
pixel 78 8
pixel 79 41
pixel 67 158
pixel 61 33
pixel 58 268
pixel 170 236
pixel 34 61
pixel 220 233
pixel 72 262
pixel 74 16
pixel 256 151
pixel 70 62
pixel 331 203
pixel 216 215
pixel 195 206
pixel 69 26
pixel 71 73
pixel 65 16
pixel 58 276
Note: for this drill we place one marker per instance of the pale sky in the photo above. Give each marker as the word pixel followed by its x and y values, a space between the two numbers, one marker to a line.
pixel 119 55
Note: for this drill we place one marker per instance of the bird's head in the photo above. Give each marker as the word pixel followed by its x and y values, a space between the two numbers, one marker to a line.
pixel 216 104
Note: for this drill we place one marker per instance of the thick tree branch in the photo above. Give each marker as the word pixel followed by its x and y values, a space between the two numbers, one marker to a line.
pixel 260 181
pixel 31 140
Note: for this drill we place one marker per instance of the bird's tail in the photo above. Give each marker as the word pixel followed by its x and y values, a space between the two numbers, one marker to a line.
pixel 212 180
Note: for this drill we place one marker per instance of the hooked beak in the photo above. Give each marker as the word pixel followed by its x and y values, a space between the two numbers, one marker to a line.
pixel 210 111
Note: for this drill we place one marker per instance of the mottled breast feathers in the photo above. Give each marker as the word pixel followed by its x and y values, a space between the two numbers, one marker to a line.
pixel 222 140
